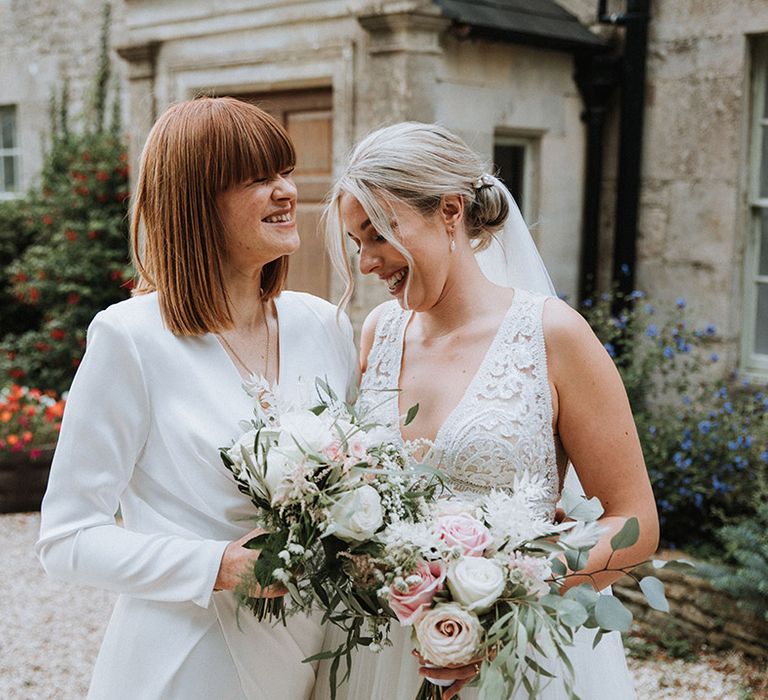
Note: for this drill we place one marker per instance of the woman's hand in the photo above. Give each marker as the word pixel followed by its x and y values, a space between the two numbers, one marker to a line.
pixel 236 562
pixel 460 675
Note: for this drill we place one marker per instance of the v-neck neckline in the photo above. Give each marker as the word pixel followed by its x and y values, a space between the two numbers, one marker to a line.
pixel 279 317
pixel 470 386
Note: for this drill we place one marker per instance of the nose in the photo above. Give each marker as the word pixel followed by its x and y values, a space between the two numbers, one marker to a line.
pixel 284 188
pixel 368 262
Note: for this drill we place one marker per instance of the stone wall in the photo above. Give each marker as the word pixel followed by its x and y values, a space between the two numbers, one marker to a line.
pixel 698 612
pixel 43 42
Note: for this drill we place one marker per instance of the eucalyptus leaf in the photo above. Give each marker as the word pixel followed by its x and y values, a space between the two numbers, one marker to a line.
pixel 653 589
pixel 578 507
pixel 627 536
pixel 611 614
pixel 597 638
pixel 412 411
pixel 493 685
pixel 577 558
pixel 558 567
pixel 572 613
pixel 584 594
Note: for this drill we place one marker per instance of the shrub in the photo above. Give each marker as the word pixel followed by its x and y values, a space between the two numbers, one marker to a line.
pixel 705 441
pixel 745 572
pixel 77 262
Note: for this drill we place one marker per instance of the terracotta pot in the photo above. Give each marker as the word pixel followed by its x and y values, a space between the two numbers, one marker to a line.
pixel 23 480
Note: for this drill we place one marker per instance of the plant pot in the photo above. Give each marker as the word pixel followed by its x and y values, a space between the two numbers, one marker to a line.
pixel 23 480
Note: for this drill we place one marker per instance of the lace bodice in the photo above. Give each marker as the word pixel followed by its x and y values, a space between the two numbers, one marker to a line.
pixel 503 423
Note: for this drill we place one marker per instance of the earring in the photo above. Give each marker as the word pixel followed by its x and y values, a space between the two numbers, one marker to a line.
pixel 453 245
pixel 451 234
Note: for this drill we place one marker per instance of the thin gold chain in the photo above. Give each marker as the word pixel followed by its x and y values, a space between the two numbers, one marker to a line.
pixel 238 358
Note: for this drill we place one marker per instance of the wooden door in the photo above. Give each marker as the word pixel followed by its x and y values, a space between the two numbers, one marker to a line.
pixel 307 116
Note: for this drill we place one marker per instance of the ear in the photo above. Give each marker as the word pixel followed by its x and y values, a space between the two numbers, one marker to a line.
pixel 452 209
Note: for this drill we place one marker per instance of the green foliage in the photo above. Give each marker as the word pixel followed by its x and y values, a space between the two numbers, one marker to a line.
pixel 705 440
pixel 745 572
pixel 64 247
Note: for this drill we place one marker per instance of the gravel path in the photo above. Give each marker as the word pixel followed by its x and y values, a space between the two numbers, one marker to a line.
pixel 50 635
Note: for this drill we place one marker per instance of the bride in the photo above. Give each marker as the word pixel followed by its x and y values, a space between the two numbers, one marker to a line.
pixel 507 376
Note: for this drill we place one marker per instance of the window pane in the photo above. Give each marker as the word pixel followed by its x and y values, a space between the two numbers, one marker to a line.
pixel 761 322
pixel 510 163
pixel 7 127
pixel 763 268
pixel 9 174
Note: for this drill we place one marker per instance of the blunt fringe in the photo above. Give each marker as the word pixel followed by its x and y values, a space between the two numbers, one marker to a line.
pixel 196 150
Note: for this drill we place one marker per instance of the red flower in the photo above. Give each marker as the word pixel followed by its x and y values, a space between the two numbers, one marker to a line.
pixel 102 176
pixel 35 453
pixel 47 219
pixel 42 347
pixel 34 295
pixel 58 334
pixel 92 235
pixel 71 235
pixel 17 373
pixel 128 284
pixel 21 277
pixel 116 275
pixel 75 362
pixel 86 156
pixel 73 299
pixel 103 198
pixel 41 274
pixel 122 196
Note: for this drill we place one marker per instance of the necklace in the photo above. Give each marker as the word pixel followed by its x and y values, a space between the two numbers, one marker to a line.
pixel 229 347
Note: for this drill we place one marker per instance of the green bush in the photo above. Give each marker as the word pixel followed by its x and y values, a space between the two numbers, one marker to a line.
pixel 745 572
pixel 705 441
pixel 75 260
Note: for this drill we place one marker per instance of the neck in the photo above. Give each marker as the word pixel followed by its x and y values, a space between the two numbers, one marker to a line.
pixel 463 300
pixel 244 293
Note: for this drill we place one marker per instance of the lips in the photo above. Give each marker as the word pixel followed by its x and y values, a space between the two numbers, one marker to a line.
pixel 281 218
pixel 395 281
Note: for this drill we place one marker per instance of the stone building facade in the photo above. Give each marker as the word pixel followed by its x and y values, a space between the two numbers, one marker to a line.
pixel 334 69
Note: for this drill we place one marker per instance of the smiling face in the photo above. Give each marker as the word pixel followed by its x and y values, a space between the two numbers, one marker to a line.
pixel 423 237
pixel 259 218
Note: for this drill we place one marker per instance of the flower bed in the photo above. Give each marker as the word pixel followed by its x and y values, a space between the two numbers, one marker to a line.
pixel 29 425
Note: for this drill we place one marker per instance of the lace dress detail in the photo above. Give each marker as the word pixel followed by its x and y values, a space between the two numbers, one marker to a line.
pixel 503 423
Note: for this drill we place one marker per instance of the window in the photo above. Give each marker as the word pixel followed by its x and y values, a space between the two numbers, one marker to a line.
pixel 755 337
pixel 514 159
pixel 9 152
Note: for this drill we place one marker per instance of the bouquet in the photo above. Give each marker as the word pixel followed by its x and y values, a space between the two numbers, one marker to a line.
pixel 478 581
pixel 324 482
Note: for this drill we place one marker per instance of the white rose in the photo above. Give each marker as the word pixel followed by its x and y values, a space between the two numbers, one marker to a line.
pixel 280 468
pixel 305 428
pixel 448 635
pixel 476 582
pixel 235 453
pixel 357 515
pixel 379 435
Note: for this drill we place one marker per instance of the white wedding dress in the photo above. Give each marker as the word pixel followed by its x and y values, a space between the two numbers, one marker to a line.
pixel 502 425
pixel 144 419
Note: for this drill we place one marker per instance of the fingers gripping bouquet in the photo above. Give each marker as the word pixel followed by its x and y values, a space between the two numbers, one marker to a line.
pixel 324 482
pixel 479 583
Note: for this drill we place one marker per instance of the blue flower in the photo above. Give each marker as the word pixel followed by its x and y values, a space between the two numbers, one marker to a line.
pixel 686 444
pixel 728 407
pixel 733 445
pixel 714 357
pixel 687 400
pixel 648 308
pixel 722 392
pixel 705 426
pixel 587 303
pixel 720 486
pixel 652 331
pixel 680 302
pixel 698 499
pixel 710 329
pixel 625 269
pixel 764 456
pixel 669 352
pixel 637 294
pixel 605 297
pixel 747 441
pixel 652 431
pixel 611 350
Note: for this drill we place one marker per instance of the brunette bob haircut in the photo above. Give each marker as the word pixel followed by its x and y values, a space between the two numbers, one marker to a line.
pixel 196 150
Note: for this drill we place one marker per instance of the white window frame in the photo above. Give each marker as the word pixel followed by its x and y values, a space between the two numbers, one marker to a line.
pixel 15 153
pixel 753 363
pixel 531 145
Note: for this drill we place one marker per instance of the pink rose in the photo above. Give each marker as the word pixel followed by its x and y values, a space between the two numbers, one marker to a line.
pixel 408 605
pixel 333 452
pixel 464 531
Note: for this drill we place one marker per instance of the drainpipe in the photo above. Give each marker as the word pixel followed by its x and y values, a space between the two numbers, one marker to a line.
pixel 596 77
pixel 635 22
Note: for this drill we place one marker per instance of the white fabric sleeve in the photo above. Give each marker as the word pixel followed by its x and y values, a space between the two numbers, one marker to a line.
pixel 105 425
